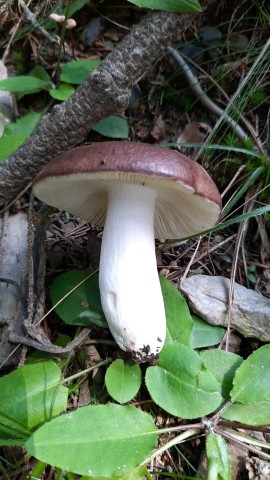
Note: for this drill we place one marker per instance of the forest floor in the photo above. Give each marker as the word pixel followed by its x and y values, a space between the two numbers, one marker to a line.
pixel 220 49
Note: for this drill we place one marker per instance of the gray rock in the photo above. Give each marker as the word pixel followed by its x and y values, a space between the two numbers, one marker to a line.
pixel 210 35
pixel 91 32
pixel 208 297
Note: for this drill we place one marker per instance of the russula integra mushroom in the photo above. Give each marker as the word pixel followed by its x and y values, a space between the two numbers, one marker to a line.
pixel 139 192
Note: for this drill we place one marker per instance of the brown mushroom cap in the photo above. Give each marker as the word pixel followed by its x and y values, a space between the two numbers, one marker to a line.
pixel 78 181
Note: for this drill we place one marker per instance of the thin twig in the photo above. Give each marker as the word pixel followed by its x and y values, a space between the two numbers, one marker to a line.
pixel 6 52
pixel 203 97
pixel 243 119
pixel 240 169
pixel 191 261
pixel 32 19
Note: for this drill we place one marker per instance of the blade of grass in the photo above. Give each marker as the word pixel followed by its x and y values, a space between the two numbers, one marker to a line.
pixel 245 151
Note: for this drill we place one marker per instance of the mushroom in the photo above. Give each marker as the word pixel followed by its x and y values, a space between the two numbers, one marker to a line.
pixel 139 192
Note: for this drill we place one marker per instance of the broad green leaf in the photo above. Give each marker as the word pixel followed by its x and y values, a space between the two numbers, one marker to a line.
pixel 113 126
pixel 137 474
pixel 10 143
pixel 218 458
pixel 205 335
pixel 25 84
pixel 178 318
pixel 258 414
pixel 63 92
pixel 252 380
pixel 24 125
pixel 39 72
pixel 140 473
pixel 83 305
pixel 96 441
pixel 75 6
pixel 178 6
pixel 123 380
pixel 16 133
pixel 76 72
pixel 31 396
pixel 223 365
pixel 181 384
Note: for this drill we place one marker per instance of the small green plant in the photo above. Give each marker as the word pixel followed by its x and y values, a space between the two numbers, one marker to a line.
pixel 116 441
pixel 257 97
pixel 251 270
pixel 18 59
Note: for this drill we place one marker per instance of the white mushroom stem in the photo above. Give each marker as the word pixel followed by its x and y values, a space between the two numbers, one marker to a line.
pixel 129 285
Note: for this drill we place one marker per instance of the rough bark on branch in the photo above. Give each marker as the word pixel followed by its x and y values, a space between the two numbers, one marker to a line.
pixel 105 91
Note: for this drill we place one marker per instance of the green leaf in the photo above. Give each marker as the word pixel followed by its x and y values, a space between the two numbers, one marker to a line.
pixel 181 384
pixel 258 414
pixel 97 441
pixel 63 92
pixel 10 143
pixel 205 335
pixel 178 6
pixel 252 380
pixel 76 72
pixel 113 126
pixel 251 390
pixel 252 153
pixel 252 278
pixel 218 458
pixel 39 72
pixel 31 396
pixel 24 125
pixel 178 318
pixel 123 380
pixel 75 6
pixel 25 84
pixel 223 365
pixel 140 473
pixel 83 305
pixel 16 133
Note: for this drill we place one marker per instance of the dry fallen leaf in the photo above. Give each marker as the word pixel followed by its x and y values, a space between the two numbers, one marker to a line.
pixel 193 132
